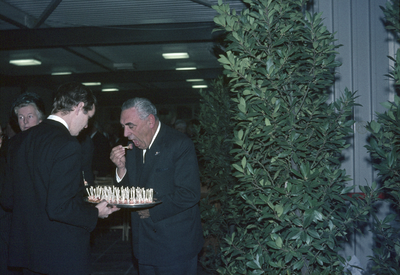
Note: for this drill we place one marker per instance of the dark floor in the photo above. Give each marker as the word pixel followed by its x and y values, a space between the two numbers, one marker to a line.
pixel 111 255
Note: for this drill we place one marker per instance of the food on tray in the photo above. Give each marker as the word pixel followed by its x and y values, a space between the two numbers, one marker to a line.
pixel 120 195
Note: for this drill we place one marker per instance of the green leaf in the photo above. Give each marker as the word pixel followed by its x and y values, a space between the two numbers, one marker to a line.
pixel 272 245
pixel 305 170
pixel 288 257
pixel 242 105
pixel 297 222
pixel 278 242
pixel 386 104
pixel 375 126
pixel 243 162
pixel 222 59
pixel 318 215
pixel 313 234
pixel 298 265
pixel 263 197
pixel 347 189
pixel 240 134
pixel 253 264
pixel 308 217
pixel 237 167
pixel 397 100
pixel 279 210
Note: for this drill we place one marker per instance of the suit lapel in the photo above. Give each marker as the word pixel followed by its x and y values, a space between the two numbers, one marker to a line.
pixel 156 149
pixel 152 157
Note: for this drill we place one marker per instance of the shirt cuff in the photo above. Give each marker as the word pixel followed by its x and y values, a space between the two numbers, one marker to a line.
pixel 117 177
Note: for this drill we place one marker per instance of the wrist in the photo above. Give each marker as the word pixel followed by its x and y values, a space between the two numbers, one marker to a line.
pixel 121 171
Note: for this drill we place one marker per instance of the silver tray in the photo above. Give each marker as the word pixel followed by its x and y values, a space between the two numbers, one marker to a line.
pixel 137 205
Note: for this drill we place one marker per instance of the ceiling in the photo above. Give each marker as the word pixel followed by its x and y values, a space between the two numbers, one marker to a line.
pixel 116 42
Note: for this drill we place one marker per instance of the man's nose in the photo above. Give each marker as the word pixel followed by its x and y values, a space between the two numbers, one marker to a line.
pixel 126 134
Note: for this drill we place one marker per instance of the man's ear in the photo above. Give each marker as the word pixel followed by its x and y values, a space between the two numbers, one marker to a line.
pixel 79 107
pixel 151 120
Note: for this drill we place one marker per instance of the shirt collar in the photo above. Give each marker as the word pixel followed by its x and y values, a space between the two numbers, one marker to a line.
pixel 155 135
pixel 59 119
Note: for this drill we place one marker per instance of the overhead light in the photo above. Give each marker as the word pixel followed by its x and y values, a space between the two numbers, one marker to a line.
pixel 61 73
pixel 110 90
pixel 199 86
pixel 91 83
pixel 185 68
pixel 175 55
pixel 25 62
pixel 123 66
pixel 194 80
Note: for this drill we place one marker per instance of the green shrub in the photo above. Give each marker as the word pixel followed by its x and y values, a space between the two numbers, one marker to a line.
pixel 290 192
pixel 214 143
pixel 384 147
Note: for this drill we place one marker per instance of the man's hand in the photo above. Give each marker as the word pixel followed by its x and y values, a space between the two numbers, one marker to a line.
pixel 105 210
pixel 117 156
pixel 144 214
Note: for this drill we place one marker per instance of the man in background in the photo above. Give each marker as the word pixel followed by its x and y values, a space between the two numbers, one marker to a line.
pixel 180 125
pixel 51 222
pixel 29 110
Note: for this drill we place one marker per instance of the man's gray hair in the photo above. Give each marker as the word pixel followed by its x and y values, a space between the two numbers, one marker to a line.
pixel 143 106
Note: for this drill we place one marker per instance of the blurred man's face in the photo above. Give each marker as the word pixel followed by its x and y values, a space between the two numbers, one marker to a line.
pixel 136 129
pixel 27 117
pixel 80 121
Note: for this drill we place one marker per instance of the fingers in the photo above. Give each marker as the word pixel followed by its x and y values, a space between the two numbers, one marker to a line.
pixel 102 204
pixel 144 214
pixel 105 209
pixel 111 210
pixel 117 156
pixel 114 208
pixel 117 152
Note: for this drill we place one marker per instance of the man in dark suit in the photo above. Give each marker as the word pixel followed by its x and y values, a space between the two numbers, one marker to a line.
pixel 168 237
pixel 51 223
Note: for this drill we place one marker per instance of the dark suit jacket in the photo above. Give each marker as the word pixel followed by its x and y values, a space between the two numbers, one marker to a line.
pixel 173 232
pixel 5 223
pixel 51 224
pixel 87 157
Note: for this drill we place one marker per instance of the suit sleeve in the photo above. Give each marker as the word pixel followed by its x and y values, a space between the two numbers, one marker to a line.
pixel 64 202
pixel 6 192
pixel 185 184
